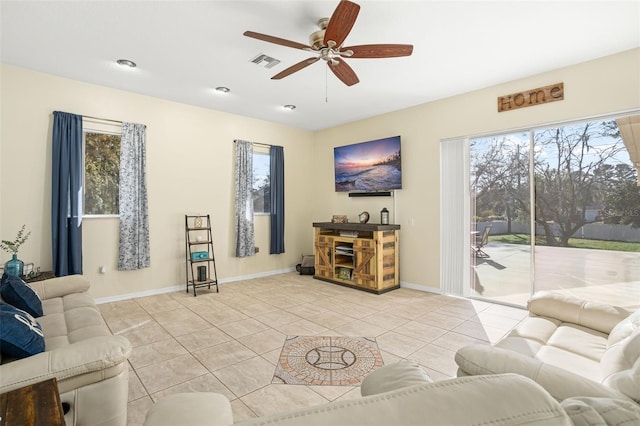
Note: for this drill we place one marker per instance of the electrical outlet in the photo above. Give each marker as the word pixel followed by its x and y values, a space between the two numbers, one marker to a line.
pixel 257 249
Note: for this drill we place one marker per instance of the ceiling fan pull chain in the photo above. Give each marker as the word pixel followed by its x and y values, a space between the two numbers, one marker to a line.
pixel 326 85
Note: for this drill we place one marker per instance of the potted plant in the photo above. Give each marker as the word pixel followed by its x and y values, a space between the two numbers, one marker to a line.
pixel 15 266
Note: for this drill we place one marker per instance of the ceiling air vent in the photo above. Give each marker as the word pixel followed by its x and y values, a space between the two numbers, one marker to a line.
pixel 266 61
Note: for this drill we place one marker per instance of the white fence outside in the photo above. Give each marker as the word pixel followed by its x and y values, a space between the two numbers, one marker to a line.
pixel 591 231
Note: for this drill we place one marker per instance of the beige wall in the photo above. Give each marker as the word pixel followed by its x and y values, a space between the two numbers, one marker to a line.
pixel 603 86
pixel 190 170
pixel 189 145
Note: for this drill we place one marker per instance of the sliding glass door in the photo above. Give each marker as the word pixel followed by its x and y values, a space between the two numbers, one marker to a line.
pixel 557 209
pixel 500 217
pixel 587 212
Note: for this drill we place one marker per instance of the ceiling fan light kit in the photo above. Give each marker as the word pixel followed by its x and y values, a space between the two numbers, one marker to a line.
pixel 316 39
pixel 327 44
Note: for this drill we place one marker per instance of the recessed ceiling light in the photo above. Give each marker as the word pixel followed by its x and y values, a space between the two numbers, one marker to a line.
pixel 223 89
pixel 290 107
pixel 126 63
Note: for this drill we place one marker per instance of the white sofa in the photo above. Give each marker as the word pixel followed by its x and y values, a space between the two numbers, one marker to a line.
pixel 398 394
pixel 89 363
pixel 401 394
pixel 572 348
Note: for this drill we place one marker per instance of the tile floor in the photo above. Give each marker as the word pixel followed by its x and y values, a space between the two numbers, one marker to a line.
pixel 230 342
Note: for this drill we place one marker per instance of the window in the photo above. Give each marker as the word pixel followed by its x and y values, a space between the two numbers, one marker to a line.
pixel 101 173
pixel 261 182
pixel 560 205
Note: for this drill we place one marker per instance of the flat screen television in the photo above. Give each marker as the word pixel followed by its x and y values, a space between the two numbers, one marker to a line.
pixel 371 166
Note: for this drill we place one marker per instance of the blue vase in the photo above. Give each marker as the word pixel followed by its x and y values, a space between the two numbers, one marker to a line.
pixel 14 266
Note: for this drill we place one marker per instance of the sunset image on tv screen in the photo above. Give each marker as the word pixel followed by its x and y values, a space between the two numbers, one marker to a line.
pixel 368 166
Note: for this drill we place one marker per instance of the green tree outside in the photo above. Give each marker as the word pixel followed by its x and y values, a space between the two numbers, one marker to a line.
pixel 576 168
pixel 102 173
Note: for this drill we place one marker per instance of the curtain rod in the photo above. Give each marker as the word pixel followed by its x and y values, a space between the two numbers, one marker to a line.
pixel 256 143
pixel 102 119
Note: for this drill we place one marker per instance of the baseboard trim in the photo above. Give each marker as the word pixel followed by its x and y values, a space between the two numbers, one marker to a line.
pixel 181 287
pixel 419 287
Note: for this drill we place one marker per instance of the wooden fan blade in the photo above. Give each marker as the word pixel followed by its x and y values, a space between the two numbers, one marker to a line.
pixel 379 50
pixel 343 72
pixel 276 40
pixel 341 22
pixel 295 67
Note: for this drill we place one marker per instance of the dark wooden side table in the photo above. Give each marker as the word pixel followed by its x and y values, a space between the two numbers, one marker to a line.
pixel 39 277
pixel 33 405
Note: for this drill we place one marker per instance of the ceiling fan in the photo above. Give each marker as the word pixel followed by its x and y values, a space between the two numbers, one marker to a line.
pixel 327 42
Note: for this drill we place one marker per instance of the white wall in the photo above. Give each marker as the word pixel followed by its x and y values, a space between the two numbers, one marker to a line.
pixel 190 157
pixel 602 86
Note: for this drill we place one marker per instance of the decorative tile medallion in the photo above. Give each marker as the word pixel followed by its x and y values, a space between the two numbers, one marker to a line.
pixel 326 360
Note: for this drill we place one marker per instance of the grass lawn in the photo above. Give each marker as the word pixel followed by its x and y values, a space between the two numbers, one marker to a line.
pixel 573 242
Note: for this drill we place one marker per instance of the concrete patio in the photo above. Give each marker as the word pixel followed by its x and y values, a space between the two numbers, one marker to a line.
pixel 600 275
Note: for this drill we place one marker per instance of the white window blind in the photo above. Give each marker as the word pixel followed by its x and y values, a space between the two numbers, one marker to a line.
pixel 454 217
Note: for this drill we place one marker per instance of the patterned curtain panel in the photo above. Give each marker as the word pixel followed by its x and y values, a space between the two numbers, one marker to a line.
pixel 134 218
pixel 66 190
pixel 245 241
pixel 276 245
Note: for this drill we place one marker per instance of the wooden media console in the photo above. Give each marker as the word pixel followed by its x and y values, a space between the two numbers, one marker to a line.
pixel 362 256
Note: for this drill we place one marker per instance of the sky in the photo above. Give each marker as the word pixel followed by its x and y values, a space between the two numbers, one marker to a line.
pixel 366 153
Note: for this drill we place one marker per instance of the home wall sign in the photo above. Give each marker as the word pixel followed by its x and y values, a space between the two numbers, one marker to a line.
pixel 527 98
